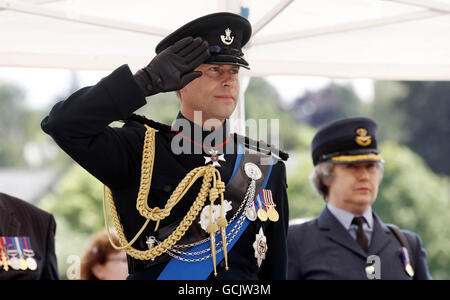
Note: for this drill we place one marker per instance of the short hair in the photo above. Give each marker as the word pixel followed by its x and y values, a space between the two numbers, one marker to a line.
pixel 322 175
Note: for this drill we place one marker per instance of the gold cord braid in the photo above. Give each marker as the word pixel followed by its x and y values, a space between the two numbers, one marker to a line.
pixel 209 173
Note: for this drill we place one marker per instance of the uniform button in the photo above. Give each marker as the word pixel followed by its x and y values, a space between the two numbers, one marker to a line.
pixel 167 188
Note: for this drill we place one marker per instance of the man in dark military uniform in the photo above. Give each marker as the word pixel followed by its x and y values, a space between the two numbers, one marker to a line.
pixel 348 240
pixel 27 241
pixel 190 200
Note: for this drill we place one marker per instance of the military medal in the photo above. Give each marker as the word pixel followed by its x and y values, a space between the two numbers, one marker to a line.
pixel 260 246
pixel 29 253
pixel 23 263
pixel 215 158
pixel 406 262
pixel 262 214
pixel 272 213
pixel 4 261
pixel 12 253
pixel 254 173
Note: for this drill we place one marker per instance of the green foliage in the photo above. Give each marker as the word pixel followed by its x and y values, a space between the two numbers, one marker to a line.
pixel 416 114
pixel 331 103
pixel 76 203
pixel 262 103
pixel 77 197
pixel 12 121
pixel 303 200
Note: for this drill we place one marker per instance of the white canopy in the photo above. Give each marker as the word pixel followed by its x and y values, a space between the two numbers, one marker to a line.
pixel 397 40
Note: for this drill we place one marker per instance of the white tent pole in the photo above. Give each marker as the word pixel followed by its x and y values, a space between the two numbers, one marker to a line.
pixel 267 18
pixel 434 5
pixel 345 27
pixel 65 16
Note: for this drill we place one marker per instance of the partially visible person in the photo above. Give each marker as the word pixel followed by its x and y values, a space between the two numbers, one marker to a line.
pixel 348 240
pixel 27 241
pixel 101 261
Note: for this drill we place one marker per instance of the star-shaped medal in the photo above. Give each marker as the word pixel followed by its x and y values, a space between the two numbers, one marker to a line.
pixel 260 246
pixel 215 158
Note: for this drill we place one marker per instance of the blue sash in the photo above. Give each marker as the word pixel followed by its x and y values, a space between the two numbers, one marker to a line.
pixel 180 270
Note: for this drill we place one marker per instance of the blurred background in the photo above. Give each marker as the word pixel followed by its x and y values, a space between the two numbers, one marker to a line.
pixel 414 132
pixel 406 88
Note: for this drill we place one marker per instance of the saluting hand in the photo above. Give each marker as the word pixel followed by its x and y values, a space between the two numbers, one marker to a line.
pixel 172 69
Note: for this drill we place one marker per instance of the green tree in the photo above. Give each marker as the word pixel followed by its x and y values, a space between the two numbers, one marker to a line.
pixel 328 104
pixel 416 114
pixel 76 203
pixel 262 102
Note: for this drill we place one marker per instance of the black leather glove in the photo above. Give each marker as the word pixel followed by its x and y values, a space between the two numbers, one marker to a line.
pixel 172 69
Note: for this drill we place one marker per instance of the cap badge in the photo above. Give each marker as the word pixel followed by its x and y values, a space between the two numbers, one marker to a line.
pixel 363 139
pixel 227 39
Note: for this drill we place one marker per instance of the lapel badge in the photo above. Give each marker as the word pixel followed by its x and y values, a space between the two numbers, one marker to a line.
pixel 215 158
pixel 227 39
pixel 363 139
pixel 260 246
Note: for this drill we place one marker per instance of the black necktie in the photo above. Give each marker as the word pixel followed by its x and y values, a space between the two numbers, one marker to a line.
pixel 361 237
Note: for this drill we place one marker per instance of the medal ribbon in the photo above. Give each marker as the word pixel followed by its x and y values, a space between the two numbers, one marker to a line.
pixel 267 198
pixel 2 248
pixel 258 203
pixel 9 243
pixel 17 245
pixel 2 245
pixel 26 246
pixel 405 256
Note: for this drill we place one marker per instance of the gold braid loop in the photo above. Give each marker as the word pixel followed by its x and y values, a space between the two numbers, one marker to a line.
pixel 208 173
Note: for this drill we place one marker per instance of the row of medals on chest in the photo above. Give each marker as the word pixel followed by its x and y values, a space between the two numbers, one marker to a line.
pixel 254 173
pixel 254 209
pixel 12 253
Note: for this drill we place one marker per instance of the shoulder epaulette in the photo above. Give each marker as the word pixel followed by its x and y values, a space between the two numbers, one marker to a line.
pixel 261 146
pixel 153 124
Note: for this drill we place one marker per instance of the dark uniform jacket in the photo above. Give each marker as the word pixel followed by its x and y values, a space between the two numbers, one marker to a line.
pixel 79 125
pixel 322 249
pixel 21 219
